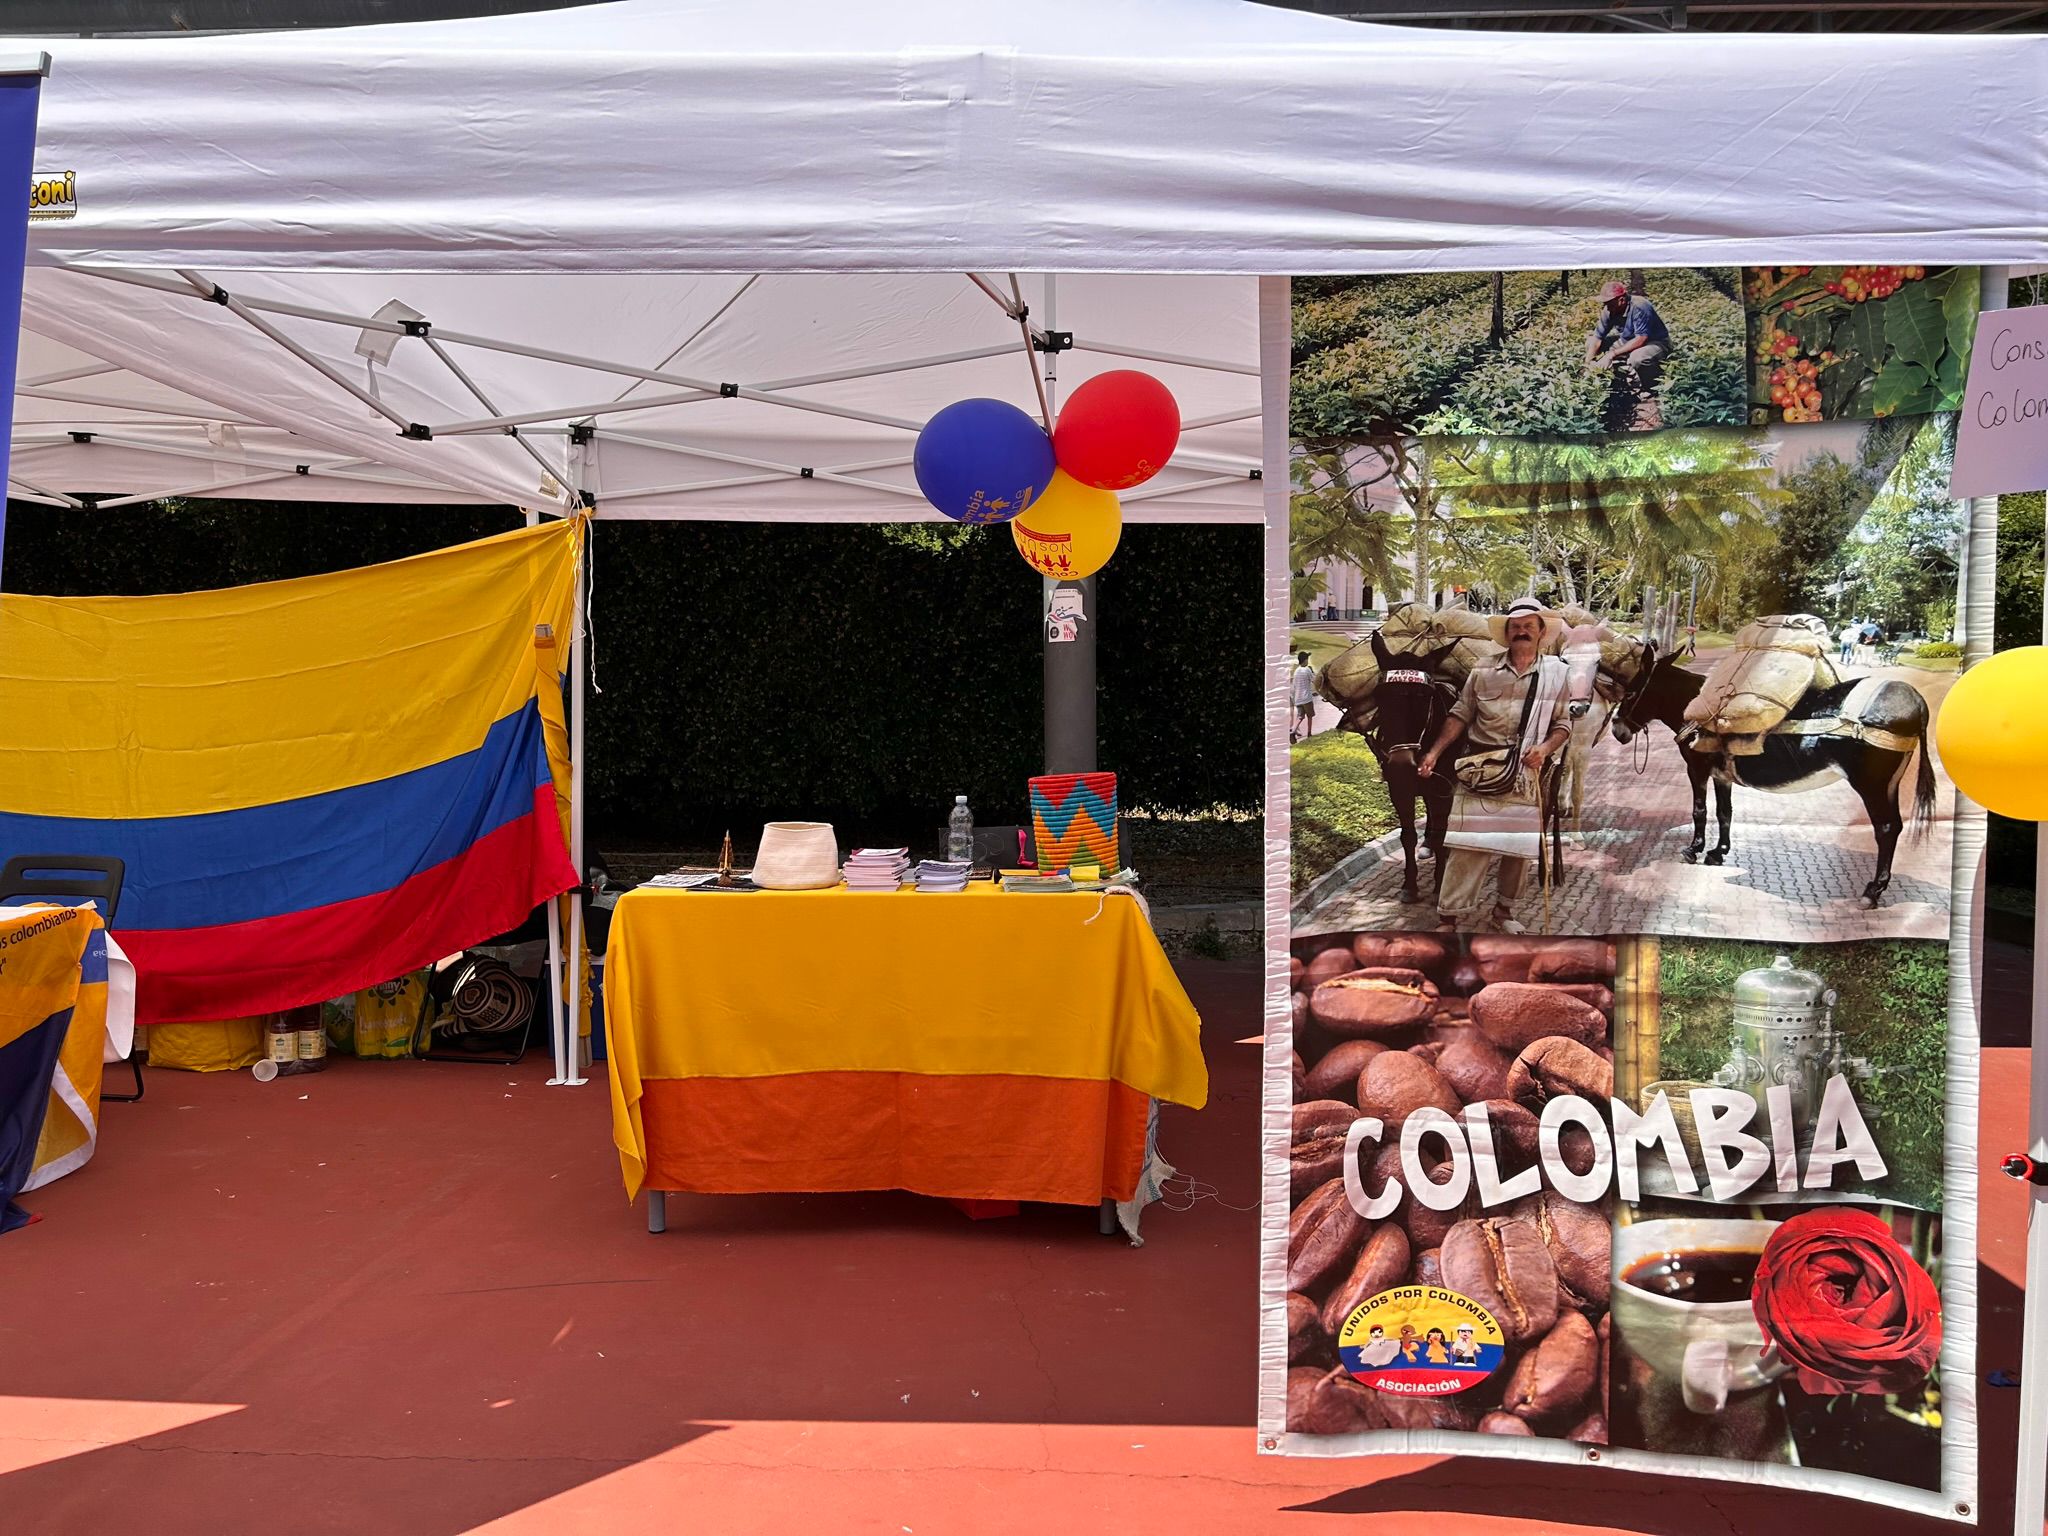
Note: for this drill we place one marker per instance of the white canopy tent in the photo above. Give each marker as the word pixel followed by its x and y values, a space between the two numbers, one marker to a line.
pixel 679 258
pixel 1066 135
pixel 716 260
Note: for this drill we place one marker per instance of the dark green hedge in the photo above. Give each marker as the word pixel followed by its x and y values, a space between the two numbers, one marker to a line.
pixel 863 675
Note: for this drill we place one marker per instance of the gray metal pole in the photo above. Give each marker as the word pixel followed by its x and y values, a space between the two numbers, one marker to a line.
pixel 1070 689
pixel 1069 664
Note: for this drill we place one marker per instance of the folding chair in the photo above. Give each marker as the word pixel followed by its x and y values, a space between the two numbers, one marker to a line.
pixel 51 876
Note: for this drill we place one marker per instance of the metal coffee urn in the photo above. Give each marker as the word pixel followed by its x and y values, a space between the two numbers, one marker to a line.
pixel 1785 1033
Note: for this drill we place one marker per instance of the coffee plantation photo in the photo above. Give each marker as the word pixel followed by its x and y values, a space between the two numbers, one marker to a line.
pixel 1535 354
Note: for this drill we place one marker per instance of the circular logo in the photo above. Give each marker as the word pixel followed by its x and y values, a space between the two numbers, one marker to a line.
pixel 1420 1341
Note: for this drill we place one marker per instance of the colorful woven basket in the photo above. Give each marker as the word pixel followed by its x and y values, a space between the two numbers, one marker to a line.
pixel 1073 820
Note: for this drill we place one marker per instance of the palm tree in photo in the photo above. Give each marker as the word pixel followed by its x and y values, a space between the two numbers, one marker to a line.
pixel 1640 508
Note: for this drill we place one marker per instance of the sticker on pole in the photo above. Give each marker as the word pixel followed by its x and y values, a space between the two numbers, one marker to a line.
pixel 1420 1341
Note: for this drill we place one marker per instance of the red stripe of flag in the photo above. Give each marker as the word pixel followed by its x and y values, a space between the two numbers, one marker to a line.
pixel 235 970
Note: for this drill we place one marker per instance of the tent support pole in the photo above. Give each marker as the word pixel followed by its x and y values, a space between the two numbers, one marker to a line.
pixel 1146 355
pixel 56 497
pixel 1070 745
pixel 557 1007
pixel 556 1034
pixel 554 472
pixel 718 456
pixel 577 665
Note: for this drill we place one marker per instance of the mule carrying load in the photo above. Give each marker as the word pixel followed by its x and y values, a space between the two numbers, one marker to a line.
pixel 1774 716
pixel 1754 691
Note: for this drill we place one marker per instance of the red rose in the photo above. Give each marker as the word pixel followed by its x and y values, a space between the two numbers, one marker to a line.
pixel 1846 1305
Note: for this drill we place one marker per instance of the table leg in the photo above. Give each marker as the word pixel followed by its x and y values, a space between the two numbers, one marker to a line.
pixel 1105 1219
pixel 657 1211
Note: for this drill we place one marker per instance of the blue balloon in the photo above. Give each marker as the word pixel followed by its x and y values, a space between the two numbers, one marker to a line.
pixel 982 461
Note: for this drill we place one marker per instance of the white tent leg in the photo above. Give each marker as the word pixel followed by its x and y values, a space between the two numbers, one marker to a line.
pixel 560 1028
pixel 577 664
pixel 557 1010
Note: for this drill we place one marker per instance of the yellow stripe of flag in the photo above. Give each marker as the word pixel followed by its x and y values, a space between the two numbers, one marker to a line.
pixel 214 701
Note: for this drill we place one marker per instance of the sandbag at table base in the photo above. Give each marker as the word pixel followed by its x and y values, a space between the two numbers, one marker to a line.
pixel 223 1045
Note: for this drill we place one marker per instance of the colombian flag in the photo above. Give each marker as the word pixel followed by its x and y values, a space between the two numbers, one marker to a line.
pixel 49 956
pixel 316 785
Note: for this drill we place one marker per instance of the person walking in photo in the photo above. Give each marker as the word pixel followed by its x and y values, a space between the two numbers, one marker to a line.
pixel 1302 689
pixel 1511 716
pixel 1629 334
pixel 1851 633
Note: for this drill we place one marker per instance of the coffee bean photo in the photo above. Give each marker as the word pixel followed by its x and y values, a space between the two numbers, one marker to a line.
pixel 1392 1026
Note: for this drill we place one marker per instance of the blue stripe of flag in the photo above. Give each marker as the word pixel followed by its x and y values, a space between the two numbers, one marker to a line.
pixel 267 860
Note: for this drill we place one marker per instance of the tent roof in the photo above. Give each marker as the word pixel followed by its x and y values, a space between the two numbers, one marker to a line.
pixel 1064 135
pixel 642 202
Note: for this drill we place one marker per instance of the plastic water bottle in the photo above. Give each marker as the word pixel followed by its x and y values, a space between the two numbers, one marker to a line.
pixel 960 833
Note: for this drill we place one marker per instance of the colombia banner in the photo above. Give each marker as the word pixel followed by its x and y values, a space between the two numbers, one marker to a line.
pixel 316 785
pixel 1621 1046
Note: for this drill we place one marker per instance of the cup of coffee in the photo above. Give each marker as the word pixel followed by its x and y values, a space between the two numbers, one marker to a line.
pixel 1681 1303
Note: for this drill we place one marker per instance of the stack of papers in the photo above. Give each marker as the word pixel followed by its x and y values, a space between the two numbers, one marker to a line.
pixel 943 875
pixel 1026 881
pixel 1032 882
pixel 876 869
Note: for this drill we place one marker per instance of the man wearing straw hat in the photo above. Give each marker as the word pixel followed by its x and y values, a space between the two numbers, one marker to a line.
pixel 1512 715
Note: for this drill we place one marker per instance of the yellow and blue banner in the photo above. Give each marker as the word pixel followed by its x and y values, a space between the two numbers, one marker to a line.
pixel 315 785
pixel 19 96
pixel 50 958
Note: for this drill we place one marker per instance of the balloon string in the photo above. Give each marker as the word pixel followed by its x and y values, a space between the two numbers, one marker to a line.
pixel 1030 355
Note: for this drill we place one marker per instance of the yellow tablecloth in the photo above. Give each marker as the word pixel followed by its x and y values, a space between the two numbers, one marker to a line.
pixel 862 1040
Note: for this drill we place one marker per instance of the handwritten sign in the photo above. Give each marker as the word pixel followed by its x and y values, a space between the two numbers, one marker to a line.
pixel 2002 442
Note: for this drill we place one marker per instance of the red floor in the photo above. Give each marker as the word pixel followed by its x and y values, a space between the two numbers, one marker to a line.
pixel 408 1299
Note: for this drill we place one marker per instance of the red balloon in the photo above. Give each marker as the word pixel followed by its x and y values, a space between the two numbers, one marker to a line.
pixel 1117 430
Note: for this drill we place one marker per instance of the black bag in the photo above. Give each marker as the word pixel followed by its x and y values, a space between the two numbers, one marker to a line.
pixel 1497 770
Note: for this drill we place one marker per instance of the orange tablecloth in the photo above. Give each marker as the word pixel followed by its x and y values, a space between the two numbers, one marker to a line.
pixel 979 1046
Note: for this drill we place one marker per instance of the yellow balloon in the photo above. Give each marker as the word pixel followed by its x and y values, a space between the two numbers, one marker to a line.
pixel 1070 531
pixel 1992 733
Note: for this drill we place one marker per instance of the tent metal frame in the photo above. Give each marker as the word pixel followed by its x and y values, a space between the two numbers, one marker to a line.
pixel 578 478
